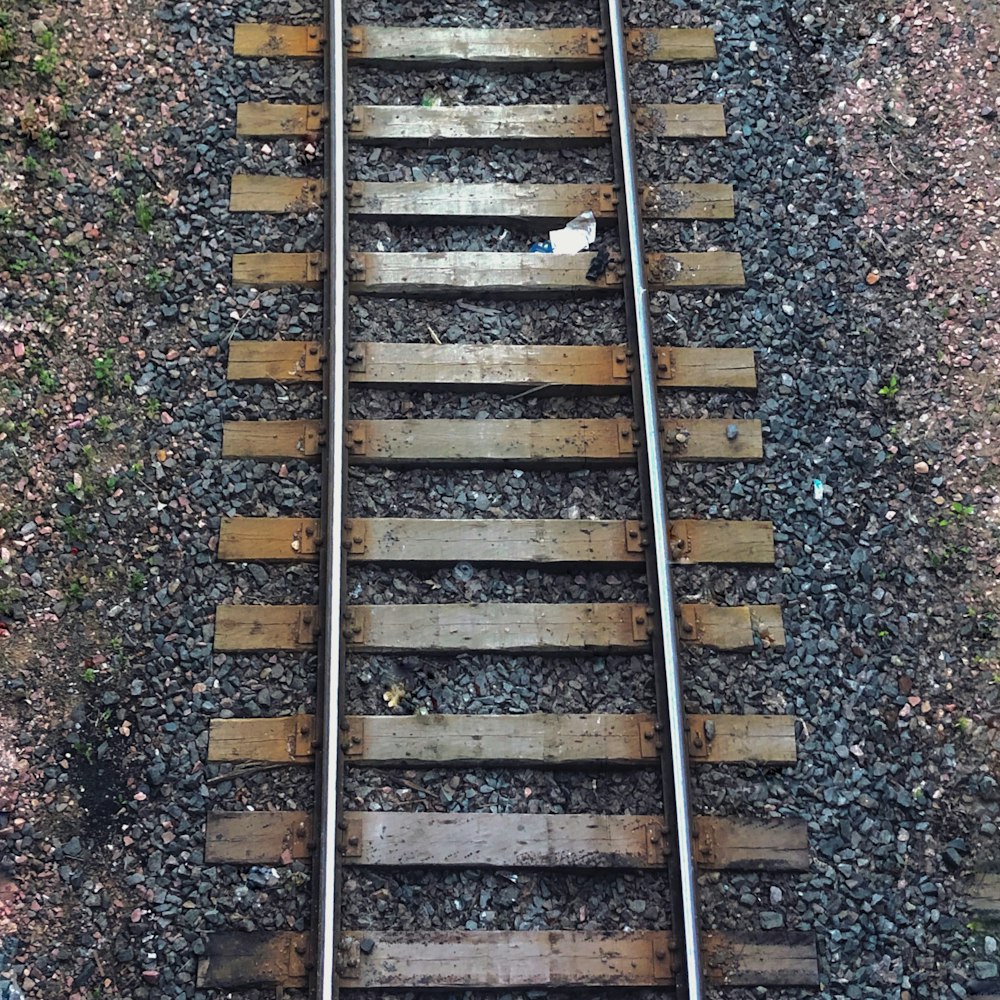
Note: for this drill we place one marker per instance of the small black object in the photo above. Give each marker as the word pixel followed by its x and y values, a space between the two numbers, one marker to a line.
pixel 598 265
pixel 367 946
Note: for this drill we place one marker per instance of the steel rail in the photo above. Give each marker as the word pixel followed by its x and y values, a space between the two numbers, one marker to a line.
pixel 665 640
pixel 332 650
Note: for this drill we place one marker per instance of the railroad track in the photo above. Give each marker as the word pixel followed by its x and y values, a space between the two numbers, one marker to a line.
pixel 330 956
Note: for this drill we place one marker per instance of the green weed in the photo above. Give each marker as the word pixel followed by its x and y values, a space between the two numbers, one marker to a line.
pixel 45 64
pixel 960 511
pixel 155 280
pixel 46 380
pixel 71 528
pixel 940 559
pixel 114 213
pixel 890 390
pixel 104 369
pixel 7 44
pixel 144 213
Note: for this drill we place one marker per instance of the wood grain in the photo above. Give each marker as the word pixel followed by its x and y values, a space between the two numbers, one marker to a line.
pixel 505 959
pixel 496 367
pixel 984 895
pixel 262 193
pixel 272 440
pixel 517 443
pixel 494 627
pixel 491 840
pixel 458 46
pixel 482 124
pixel 428 540
pixel 532 740
pixel 432 200
pixel 499 273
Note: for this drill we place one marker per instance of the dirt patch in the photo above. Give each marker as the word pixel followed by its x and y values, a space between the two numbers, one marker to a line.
pixel 100 773
pixel 917 122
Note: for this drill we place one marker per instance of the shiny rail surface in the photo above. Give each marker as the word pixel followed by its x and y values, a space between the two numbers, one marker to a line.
pixel 332 658
pixel 669 688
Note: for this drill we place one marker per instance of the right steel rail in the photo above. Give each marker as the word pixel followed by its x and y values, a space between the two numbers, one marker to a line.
pixel 644 389
pixel 329 703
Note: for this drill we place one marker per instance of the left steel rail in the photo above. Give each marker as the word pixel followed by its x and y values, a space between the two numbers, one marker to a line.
pixel 330 669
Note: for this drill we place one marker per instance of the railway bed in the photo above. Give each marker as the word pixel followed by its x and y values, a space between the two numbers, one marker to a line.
pixel 643 431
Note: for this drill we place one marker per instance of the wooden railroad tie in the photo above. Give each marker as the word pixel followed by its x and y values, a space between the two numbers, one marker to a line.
pixel 520 443
pixel 372 959
pixel 486 272
pixel 492 367
pixel 532 48
pixel 511 628
pixel 511 840
pixel 531 740
pixel 480 124
pixel 427 540
pixel 429 201
pixel 984 896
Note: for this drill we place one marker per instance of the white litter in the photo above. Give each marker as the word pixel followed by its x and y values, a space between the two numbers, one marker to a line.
pixel 576 235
